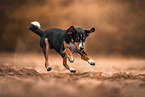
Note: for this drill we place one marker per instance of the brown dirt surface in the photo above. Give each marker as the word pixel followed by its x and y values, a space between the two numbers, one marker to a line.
pixel 24 75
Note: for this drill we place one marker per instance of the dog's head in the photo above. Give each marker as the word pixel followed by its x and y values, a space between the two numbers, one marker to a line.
pixel 78 35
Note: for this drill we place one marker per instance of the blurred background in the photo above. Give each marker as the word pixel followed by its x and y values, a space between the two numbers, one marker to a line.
pixel 120 24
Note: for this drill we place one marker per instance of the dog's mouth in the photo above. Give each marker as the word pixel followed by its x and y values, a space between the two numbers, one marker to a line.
pixel 80 45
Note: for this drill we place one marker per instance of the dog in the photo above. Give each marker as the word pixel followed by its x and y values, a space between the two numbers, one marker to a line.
pixel 65 42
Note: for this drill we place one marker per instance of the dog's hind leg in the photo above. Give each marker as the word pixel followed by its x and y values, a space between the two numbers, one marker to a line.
pixel 66 65
pixel 45 50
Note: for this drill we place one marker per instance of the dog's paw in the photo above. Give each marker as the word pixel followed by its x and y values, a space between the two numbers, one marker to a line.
pixel 49 68
pixel 72 70
pixel 71 59
pixel 36 24
pixel 91 62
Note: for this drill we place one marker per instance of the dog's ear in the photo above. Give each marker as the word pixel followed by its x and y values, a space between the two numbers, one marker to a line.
pixel 87 32
pixel 71 30
pixel 92 30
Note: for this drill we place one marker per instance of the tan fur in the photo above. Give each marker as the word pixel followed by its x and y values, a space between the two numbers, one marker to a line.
pixel 85 57
pixel 65 62
pixel 46 58
pixel 67 51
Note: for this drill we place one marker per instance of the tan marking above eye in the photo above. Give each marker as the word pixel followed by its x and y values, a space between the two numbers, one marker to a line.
pixel 83 38
pixel 78 37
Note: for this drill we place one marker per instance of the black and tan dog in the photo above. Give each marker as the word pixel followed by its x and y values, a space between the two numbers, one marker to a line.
pixel 65 42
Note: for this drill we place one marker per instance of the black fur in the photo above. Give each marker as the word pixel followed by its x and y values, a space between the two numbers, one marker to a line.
pixel 57 36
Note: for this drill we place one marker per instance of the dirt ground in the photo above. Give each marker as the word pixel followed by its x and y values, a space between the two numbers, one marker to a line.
pixel 24 75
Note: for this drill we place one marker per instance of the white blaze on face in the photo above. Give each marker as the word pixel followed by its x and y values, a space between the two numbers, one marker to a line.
pixel 81 43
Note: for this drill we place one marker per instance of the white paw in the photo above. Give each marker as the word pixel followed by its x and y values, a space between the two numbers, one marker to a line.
pixel 72 70
pixel 91 62
pixel 49 68
pixel 71 59
pixel 36 24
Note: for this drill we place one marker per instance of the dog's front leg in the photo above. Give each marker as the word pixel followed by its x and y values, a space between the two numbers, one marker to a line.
pixel 86 58
pixel 66 65
pixel 68 53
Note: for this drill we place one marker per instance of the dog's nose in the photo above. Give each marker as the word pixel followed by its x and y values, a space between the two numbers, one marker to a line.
pixel 82 47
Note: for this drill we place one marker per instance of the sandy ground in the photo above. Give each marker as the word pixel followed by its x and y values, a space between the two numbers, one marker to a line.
pixel 24 75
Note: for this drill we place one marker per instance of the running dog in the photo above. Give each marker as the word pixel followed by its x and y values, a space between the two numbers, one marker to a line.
pixel 65 42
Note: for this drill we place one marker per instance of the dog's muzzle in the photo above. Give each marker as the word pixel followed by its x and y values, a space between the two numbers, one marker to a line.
pixel 81 47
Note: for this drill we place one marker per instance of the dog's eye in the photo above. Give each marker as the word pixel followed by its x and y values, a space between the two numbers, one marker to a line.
pixel 78 37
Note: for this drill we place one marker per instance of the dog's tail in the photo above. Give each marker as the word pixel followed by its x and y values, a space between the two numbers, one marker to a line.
pixel 35 27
